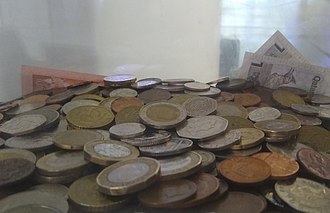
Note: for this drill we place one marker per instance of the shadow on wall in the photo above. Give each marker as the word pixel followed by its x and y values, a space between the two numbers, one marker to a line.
pixel 229 56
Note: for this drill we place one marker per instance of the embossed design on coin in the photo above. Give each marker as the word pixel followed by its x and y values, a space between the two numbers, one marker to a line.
pixel 127 130
pixel 123 92
pixel 149 139
pixel 66 108
pixel 221 142
pixel 196 86
pixel 32 142
pixel 200 106
pixel 231 109
pixel 250 137
pixel 264 113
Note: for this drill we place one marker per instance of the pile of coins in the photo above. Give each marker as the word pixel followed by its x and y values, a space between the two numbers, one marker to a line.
pixel 154 145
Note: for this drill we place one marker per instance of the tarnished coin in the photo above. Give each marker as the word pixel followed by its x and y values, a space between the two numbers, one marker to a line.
pixel 52 116
pixel 84 194
pixel 314 163
pixel 162 115
pixel 149 138
pixel 32 142
pixel 225 96
pixel 228 153
pixel 282 167
pixel 127 130
pixel 247 99
pixel 119 79
pixel 228 139
pixel 154 94
pixel 170 88
pixel 179 166
pixel 17 153
pixel 126 177
pixel 286 98
pixel 75 139
pixel 294 90
pixel 202 128
pixel 250 137
pixel 164 194
pixel 176 81
pixel 320 99
pixel 105 133
pixel 146 83
pixel 264 113
pixel 33 99
pixel 304 120
pixel 77 103
pixel 212 92
pixel 84 89
pixel 181 98
pixel 90 117
pixel 304 109
pixel 107 152
pixel 108 102
pixel 208 160
pixel 23 124
pixel 25 108
pixel 60 98
pixel 289 149
pixel 124 102
pixel 123 92
pixel 200 106
pixel 172 147
pixel 289 117
pixel 231 109
pixel 92 97
pixel 235 122
pixel 232 84
pixel 278 128
pixel 245 170
pixel 55 189
pixel 196 86
pixel 324 113
pixel 128 115
pixel 304 195
pixel 55 107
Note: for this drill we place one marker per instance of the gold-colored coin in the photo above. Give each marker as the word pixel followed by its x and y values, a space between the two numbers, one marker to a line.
pixel 90 117
pixel 278 128
pixel 286 98
pixel 128 115
pixel 17 153
pixel 315 137
pixel 250 137
pixel 88 97
pixel 236 122
pixel 58 179
pixel 289 117
pixel 231 109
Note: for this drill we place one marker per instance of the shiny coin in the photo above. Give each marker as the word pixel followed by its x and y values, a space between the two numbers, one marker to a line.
pixel 55 189
pixel 208 160
pixel 108 102
pixel 84 89
pixel 123 102
pixel 289 149
pixel 154 94
pixel 278 127
pixel 222 142
pixel 92 97
pixel 128 115
pixel 127 130
pixel 84 194
pixel 123 92
pixel 23 124
pixel 25 108
pixel 90 117
pixel 294 90
pixel 166 193
pixel 52 116
pixel 250 137
pixel 77 103
pixel 314 163
pixel 13 170
pixel 226 78
pixel 60 98
pixel 320 99
pixel 200 106
pixel 75 139
pixel 231 109
pixel 196 86
pixel 212 92
pixel 162 115
pixel 171 147
pixel 126 177
pixel 247 99
pixel 17 153
pixel 202 128
pixel 119 79
pixel 149 138
pixel 33 142
pixel 304 109
pixel 228 153
pixel 304 195
pixel 235 122
pixel 232 84
pixel 146 83
pixel 264 113
pixel 286 98
pixel 245 170
pixel 179 166
pixel 181 98
pixel 176 81
pixel 107 152
pixel 282 167
pixel 171 88
pixel 225 96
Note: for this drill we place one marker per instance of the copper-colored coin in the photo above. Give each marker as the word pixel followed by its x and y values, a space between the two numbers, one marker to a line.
pixel 247 99
pixel 245 170
pixel 282 167
pixel 60 98
pixel 154 94
pixel 315 163
pixel 166 193
pixel 286 98
pixel 123 102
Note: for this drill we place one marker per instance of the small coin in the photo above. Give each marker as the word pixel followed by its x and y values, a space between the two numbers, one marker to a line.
pixel 181 98
pixel 221 142
pixel 294 90
pixel 127 130
pixel 77 103
pixel 196 86
pixel 17 153
pixel 55 189
pixel 126 177
pixel 245 170
pixel 232 84
pixel 124 102
pixel 84 89
pixel 211 93
pixel 200 106
pixel 92 97
pixel 250 137
pixel 315 163
pixel 128 115
pixel 320 99
pixel 228 153
pixel 304 109
pixel 208 160
pixel 289 149
pixel 202 128
pixel 25 108
pixel 32 142
pixel 278 128
pixel 231 109
pixel 60 98
pixel 286 98
pixel 167 193
pixel 235 122
pixel 171 88
pixel 154 94
pixel 123 92
pixel 264 113
pixel 176 81
pixel 119 79
pixel 146 83
pixel 150 138
pixel 23 124
pixel 304 195
pixel 247 99
pixel 52 116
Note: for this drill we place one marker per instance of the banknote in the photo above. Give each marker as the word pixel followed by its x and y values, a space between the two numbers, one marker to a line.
pixel 272 72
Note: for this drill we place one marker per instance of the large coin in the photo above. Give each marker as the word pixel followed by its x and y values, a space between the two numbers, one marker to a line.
pixel 289 149
pixel 247 99
pixel 25 108
pixel 264 113
pixel 154 94
pixel 320 99
pixel 84 89
pixel 107 103
pixel 177 81
pixel 304 120
pixel 250 137
pixel 17 153
pixel 212 92
pixel 127 130
pixel 170 88
pixel 221 142
pixel 304 195
pixel 58 179
pixel 200 106
pixel 231 109
pixel 235 122
pixel 123 92
pixel 52 116
pixel 202 128
pixel 208 160
pixel 55 189
pixel 128 115
pixel 149 139
pixel 124 102
pixel 119 79
pixel 181 98
pixel 278 127
pixel 286 98
pixel 60 98
pixel 196 86
pixel 32 142
pixel 33 99
pixel 304 109
pixel 77 103
pixel 294 90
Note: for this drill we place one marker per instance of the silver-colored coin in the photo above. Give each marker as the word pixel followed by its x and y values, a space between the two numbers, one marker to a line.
pixel 264 113
pixel 304 109
pixel 55 189
pixel 171 147
pixel 123 92
pixel 146 83
pixel 212 92
pixel 120 78
pixel 202 128
pixel 200 106
pixel 306 120
pixel 320 99
pixel 208 160
pixel 149 138
pixel 2 142
pixel 25 108
pixel 23 124
pixel 104 133
pixel 196 86
pixel 324 113
pixel 289 149
pixel 127 130
pixel 177 81
pixel 84 89
pixel 66 108
pixel 226 78
pixel 224 154
pixel 52 116
pixel 171 88
pixel 33 142
pixel 277 139
pixel 221 142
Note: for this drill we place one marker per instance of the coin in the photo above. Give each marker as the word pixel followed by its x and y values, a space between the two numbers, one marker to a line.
pixel 2 142
pixel 58 179
pixel 32 142
pixel 119 79
pixel 211 93
pixel 154 94
pixel 52 116
pixel 179 166
pixel 289 149
pixel 84 89
pixel 75 139
pixel 225 96
pixel 108 102
pixel 172 147
pixel 176 81
pixel 282 167
pixel 304 109
pixel 162 115
pixel 200 106
pixel 244 170
pixel 228 153
pixel 150 138
pixel 60 98
pixel 90 117
pixel 236 122
pixel 231 109
pixel 128 115
pixel 208 160
pixel 92 97
pixel 226 78
pixel 23 124
pixel 324 113
pixel 278 127
pixel 202 128
pixel 314 163
pixel 123 92
pixel 247 99
pixel 126 177
pixel 320 99
pixel 83 194
pixel 289 117
pixel 17 153
pixel 250 137
pixel 304 120
pixel 294 90
pixel 286 98
pixel 181 98
pixel 146 83
pixel 55 107
pixel 196 86
pixel 228 139
pixel 264 113
pixel 232 84
pixel 170 88
pixel 77 103
pixel 107 152
pixel 123 102
pixel 55 189
pixel 167 193
pixel 24 108
pixel 127 130
pixel 304 195
pixel 277 139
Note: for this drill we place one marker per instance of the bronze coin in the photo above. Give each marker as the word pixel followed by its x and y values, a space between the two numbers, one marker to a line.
pixel 123 102
pixel 60 98
pixel 245 170
pixel 315 163
pixel 166 193
pixel 154 94
pixel 247 99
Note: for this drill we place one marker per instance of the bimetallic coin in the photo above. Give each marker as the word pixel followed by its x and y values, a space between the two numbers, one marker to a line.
pixel 124 102
pixel 232 84
pixel 247 99
pixel 128 115
pixel 264 113
pixel 123 92
pixel 127 130
pixel 286 98
pixel 208 160
pixel 25 108
pixel 77 103
pixel 231 109
pixel 304 195
pixel 221 142
pixel 23 124
pixel 278 128
pixel 154 94
pixel 146 83
pixel 32 142
pixel 60 98
pixel 17 153
pixel 250 137
pixel 126 177
pixel 107 152
pixel 304 109
pixel 84 89
pixel 289 149
pixel 211 93
pixel 196 86
pixel 200 106
pixel 149 139
pixel 320 99
pixel 202 128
